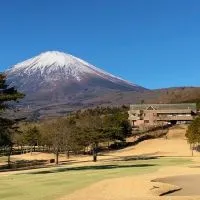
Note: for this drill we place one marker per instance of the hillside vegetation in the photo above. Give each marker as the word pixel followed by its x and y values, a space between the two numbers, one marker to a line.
pixel 87 100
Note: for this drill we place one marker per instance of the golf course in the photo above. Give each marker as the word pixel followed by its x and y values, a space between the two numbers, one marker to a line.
pixel 124 174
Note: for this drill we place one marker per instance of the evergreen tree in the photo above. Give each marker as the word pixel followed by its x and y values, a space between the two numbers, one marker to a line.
pixel 7 94
pixel 193 133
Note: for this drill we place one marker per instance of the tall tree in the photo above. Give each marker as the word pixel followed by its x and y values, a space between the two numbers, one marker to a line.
pixel 193 133
pixel 94 126
pixel 29 134
pixel 7 94
pixel 117 126
pixel 57 134
pixel 91 132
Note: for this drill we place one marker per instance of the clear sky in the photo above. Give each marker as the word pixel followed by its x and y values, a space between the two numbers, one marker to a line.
pixel 154 43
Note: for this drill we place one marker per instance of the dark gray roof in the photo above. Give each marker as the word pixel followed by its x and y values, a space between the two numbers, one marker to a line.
pixel 191 106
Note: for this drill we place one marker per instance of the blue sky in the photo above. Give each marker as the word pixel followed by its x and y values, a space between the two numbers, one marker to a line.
pixel 154 43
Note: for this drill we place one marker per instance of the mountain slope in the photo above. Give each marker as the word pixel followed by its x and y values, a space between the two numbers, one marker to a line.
pixel 54 77
pixel 56 83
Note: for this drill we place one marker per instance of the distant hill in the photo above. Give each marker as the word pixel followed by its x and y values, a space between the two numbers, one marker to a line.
pixel 168 95
pixel 174 95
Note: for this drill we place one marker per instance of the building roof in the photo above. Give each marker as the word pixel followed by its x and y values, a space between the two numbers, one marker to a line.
pixel 191 106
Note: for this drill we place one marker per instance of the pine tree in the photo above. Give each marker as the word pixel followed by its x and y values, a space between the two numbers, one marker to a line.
pixel 7 94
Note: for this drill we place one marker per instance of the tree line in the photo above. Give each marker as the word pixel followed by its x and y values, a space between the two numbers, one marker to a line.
pixel 79 132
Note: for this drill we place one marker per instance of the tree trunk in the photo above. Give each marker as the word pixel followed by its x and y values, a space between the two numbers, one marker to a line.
pixel 57 157
pixel 9 161
pixel 21 149
pixel 9 154
pixel 67 154
pixel 31 150
pixel 191 147
pixel 94 151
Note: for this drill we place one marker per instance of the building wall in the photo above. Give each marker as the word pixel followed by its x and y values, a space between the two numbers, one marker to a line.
pixel 149 116
pixel 138 123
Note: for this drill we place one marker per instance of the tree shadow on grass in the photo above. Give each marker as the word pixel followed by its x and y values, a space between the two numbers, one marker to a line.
pixel 133 158
pixel 99 167
pixel 115 158
pixel 22 165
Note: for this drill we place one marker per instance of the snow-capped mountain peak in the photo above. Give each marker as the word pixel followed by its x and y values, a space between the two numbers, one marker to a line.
pixel 49 58
pixel 59 77
pixel 56 83
pixel 53 65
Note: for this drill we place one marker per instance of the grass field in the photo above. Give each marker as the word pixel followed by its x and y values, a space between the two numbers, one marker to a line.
pixel 53 183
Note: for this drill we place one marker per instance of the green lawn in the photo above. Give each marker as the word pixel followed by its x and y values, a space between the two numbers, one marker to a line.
pixel 52 183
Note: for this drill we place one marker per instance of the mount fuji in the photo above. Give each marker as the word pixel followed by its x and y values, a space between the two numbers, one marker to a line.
pixel 58 78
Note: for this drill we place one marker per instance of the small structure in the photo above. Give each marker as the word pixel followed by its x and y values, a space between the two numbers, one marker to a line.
pixel 157 114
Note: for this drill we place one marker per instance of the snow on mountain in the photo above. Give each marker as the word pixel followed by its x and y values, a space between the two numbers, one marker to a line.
pixel 57 78
pixel 53 64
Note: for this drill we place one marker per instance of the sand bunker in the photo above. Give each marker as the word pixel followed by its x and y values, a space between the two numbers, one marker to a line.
pixel 189 183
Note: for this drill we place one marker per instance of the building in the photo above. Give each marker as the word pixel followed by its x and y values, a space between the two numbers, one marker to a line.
pixel 157 114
